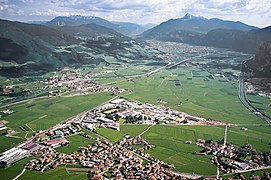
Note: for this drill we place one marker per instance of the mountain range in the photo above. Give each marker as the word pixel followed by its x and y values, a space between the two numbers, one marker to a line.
pixel 260 65
pixel 196 24
pixel 125 28
pixel 77 40
pixel 210 32
pixel 31 48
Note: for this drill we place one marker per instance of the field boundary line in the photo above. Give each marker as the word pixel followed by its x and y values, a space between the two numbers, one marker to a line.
pixel 29 127
pixel 19 175
pixel 146 130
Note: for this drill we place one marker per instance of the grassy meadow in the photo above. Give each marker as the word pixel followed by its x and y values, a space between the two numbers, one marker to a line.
pixel 74 143
pixel 263 104
pixel 211 98
pixel 44 113
pixel 110 134
pixel 171 147
pixel 12 171
pixel 56 174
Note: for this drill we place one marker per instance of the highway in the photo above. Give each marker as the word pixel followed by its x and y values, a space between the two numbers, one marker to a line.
pixel 168 66
pixel 247 104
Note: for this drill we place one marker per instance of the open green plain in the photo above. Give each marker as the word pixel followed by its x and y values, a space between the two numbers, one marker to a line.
pixel 170 143
pixel 110 134
pixel 247 174
pixel 56 174
pixel 44 113
pixel 128 71
pixel 215 99
pixel 75 142
pixel 197 94
pixel 262 104
pixel 12 171
pixel 133 130
pixel 8 142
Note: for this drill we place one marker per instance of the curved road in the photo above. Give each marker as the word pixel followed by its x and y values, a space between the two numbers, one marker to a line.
pixel 247 104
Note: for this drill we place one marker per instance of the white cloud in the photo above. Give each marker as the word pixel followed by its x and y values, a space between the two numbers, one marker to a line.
pixel 140 11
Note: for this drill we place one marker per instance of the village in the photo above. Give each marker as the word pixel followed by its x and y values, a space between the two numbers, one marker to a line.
pixel 108 115
pixel 77 81
pixel 105 159
pixel 125 159
pixel 120 160
pixel 233 159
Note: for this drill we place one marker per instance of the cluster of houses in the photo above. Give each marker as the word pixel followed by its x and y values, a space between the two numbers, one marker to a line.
pixel 106 160
pixel 47 157
pixel 258 86
pixel 231 158
pixel 75 80
pixel 138 142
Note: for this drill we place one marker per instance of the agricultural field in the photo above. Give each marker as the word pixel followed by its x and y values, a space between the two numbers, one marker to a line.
pixel 31 115
pixel 247 174
pixel 263 104
pixel 190 87
pixel 110 134
pixel 259 137
pixel 75 142
pixel 210 98
pixel 58 174
pixel 110 80
pixel 171 147
pixel 128 71
pixel 9 142
pixel 12 171
pixel 133 130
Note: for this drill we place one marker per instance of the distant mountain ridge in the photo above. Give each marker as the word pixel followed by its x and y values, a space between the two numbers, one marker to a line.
pixel 195 24
pixel 134 29
pixel 244 41
pixel 210 32
pixel 129 29
pixel 79 20
pixel 34 49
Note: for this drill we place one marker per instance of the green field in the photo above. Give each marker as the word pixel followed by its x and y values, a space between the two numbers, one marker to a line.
pixel 263 104
pixel 133 130
pixel 58 174
pixel 8 142
pixel 128 71
pixel 44 113
pixel 216 99
pixel 258 137
pixel 247 174
pixel 171 147
pixel 91 133
pixel 110 80
pixel 74 143
pixel 110 134
pixel 12 171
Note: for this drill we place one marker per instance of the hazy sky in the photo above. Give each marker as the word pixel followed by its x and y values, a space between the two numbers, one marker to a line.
pixel 253 12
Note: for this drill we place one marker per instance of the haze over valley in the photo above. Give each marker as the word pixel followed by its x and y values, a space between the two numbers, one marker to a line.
pixel 135 90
